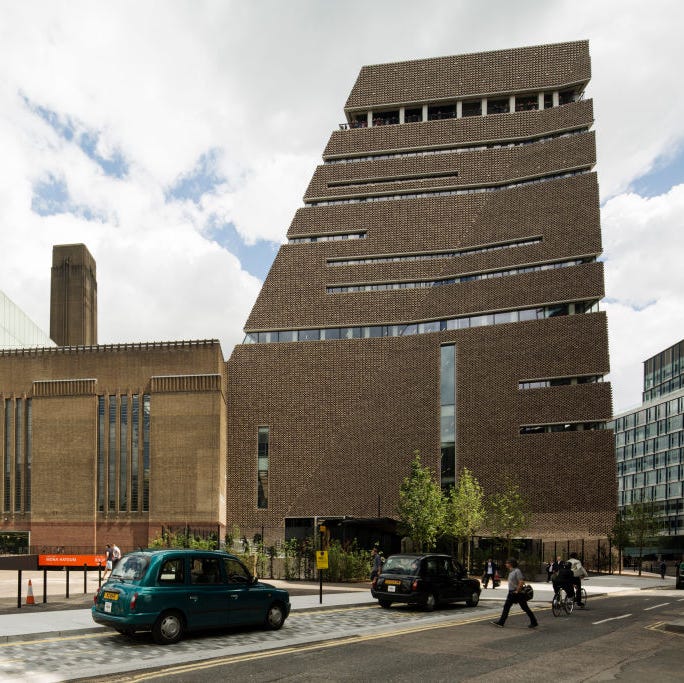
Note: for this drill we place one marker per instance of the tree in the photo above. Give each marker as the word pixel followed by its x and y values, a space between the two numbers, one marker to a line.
pixel 421 506
pixel 642 524
pixel 464 510
pixel 619 536
pixel 508 512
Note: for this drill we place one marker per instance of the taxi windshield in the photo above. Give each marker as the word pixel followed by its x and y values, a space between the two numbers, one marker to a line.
pixel 407 566
pixel 131 568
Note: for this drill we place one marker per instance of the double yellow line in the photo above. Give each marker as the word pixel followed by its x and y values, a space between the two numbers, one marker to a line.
pixel 252 656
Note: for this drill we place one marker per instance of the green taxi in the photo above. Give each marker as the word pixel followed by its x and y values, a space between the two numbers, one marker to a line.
pixel 170 591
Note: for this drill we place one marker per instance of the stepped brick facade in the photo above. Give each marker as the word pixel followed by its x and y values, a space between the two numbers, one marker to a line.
pixel 455 216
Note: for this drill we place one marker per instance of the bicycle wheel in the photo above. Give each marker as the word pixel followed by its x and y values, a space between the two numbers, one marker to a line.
pixel 568 603
pixel 556 605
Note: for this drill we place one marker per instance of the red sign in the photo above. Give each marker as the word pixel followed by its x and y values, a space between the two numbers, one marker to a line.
pixel 65 560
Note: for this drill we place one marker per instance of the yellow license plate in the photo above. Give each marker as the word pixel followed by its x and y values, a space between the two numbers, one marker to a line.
pixel 111 596
pixel 391 582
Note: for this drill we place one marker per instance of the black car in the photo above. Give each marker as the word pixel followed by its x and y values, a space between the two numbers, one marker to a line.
pixel 425 580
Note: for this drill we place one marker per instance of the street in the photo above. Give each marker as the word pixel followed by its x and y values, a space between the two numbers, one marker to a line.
pixel 615 638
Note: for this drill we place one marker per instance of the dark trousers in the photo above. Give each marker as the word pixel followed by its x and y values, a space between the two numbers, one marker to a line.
pixel 577 585
pixel 486 578
pixel 518 598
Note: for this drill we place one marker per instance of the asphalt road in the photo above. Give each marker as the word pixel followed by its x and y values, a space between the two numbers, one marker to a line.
pixel 616 638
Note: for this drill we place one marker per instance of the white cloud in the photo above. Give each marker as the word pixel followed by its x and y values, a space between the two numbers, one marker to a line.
pixel 261 85
pixel 644 244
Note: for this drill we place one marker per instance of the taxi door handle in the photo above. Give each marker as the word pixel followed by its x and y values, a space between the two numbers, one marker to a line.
pixel 233 596
pixel 194 597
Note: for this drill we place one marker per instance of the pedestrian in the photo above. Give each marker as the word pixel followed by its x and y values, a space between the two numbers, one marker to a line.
pixel 108 561
pixel 515 595
pixel 663 569
pixel 490 571
pixel 377 560
pixel 550 569
pixel 116 555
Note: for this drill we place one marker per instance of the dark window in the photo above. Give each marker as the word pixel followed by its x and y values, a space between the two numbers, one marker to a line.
pixel 548 100
pixel 135 452
pixel 500 106
pixel 206 570
pixel 146 453
pixel 472 108
pixel 111 455
pixel 526 102
pixel 100 453
pixel 263 438
pixel 172 571
pixel 413 115
pixel 235 571
pixel 386 118
pixel 567 96
pixel 442 111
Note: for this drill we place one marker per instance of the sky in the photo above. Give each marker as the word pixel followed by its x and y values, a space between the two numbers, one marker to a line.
pixel 176 138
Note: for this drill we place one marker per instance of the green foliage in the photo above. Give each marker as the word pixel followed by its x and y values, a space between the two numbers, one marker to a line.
pixel 508 512
pixel 421 505
pixel 347 564
pixel 642 525
pixel 620 536
pixel 181 539
pixel 464 510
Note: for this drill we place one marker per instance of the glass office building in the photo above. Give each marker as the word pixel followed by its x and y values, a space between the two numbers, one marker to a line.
pixel 649 442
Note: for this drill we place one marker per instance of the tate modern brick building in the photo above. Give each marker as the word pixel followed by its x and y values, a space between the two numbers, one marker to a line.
pixel 439 292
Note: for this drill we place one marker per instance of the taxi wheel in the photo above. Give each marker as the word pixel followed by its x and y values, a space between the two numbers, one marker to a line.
pixel 473 599
pixel 168 628
pixel 385 604
pixel 275 616
pixel 430 602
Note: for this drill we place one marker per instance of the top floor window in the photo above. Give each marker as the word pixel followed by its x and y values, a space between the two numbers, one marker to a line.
pixel 472 108
pixel 385 118
pixel 526 102
pixel 442 111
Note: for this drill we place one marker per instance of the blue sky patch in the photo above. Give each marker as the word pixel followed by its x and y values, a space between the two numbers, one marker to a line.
pixel 202 179
pixel 256 258
pixel 50 197
pixel 666 172
pixel 115 166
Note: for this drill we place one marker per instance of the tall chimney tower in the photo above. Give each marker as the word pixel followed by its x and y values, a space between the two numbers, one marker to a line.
pixel 73 296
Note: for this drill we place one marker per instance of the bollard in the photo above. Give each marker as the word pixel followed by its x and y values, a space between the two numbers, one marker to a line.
pixel 44 585
pixel 67 580
pixel 19 590
pixel 85 578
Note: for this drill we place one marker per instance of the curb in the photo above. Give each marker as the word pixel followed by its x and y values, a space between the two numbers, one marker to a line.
pixel 23 637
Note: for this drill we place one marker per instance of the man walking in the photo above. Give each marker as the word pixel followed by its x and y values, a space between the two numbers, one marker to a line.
pixel 515 595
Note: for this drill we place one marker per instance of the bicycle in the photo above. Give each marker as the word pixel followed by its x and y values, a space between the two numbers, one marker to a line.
pixel 562 602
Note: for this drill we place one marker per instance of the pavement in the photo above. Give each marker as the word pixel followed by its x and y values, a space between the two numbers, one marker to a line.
pixel 60 617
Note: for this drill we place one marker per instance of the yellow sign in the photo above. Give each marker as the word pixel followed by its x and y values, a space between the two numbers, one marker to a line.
pixel 321 559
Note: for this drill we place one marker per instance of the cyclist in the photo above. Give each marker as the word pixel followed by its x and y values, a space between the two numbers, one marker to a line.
pixel 578 573
pixel 564 578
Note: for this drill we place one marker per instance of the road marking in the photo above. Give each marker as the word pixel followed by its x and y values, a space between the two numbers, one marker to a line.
pixel 656 606
pixel 603 621
pixel 251 656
